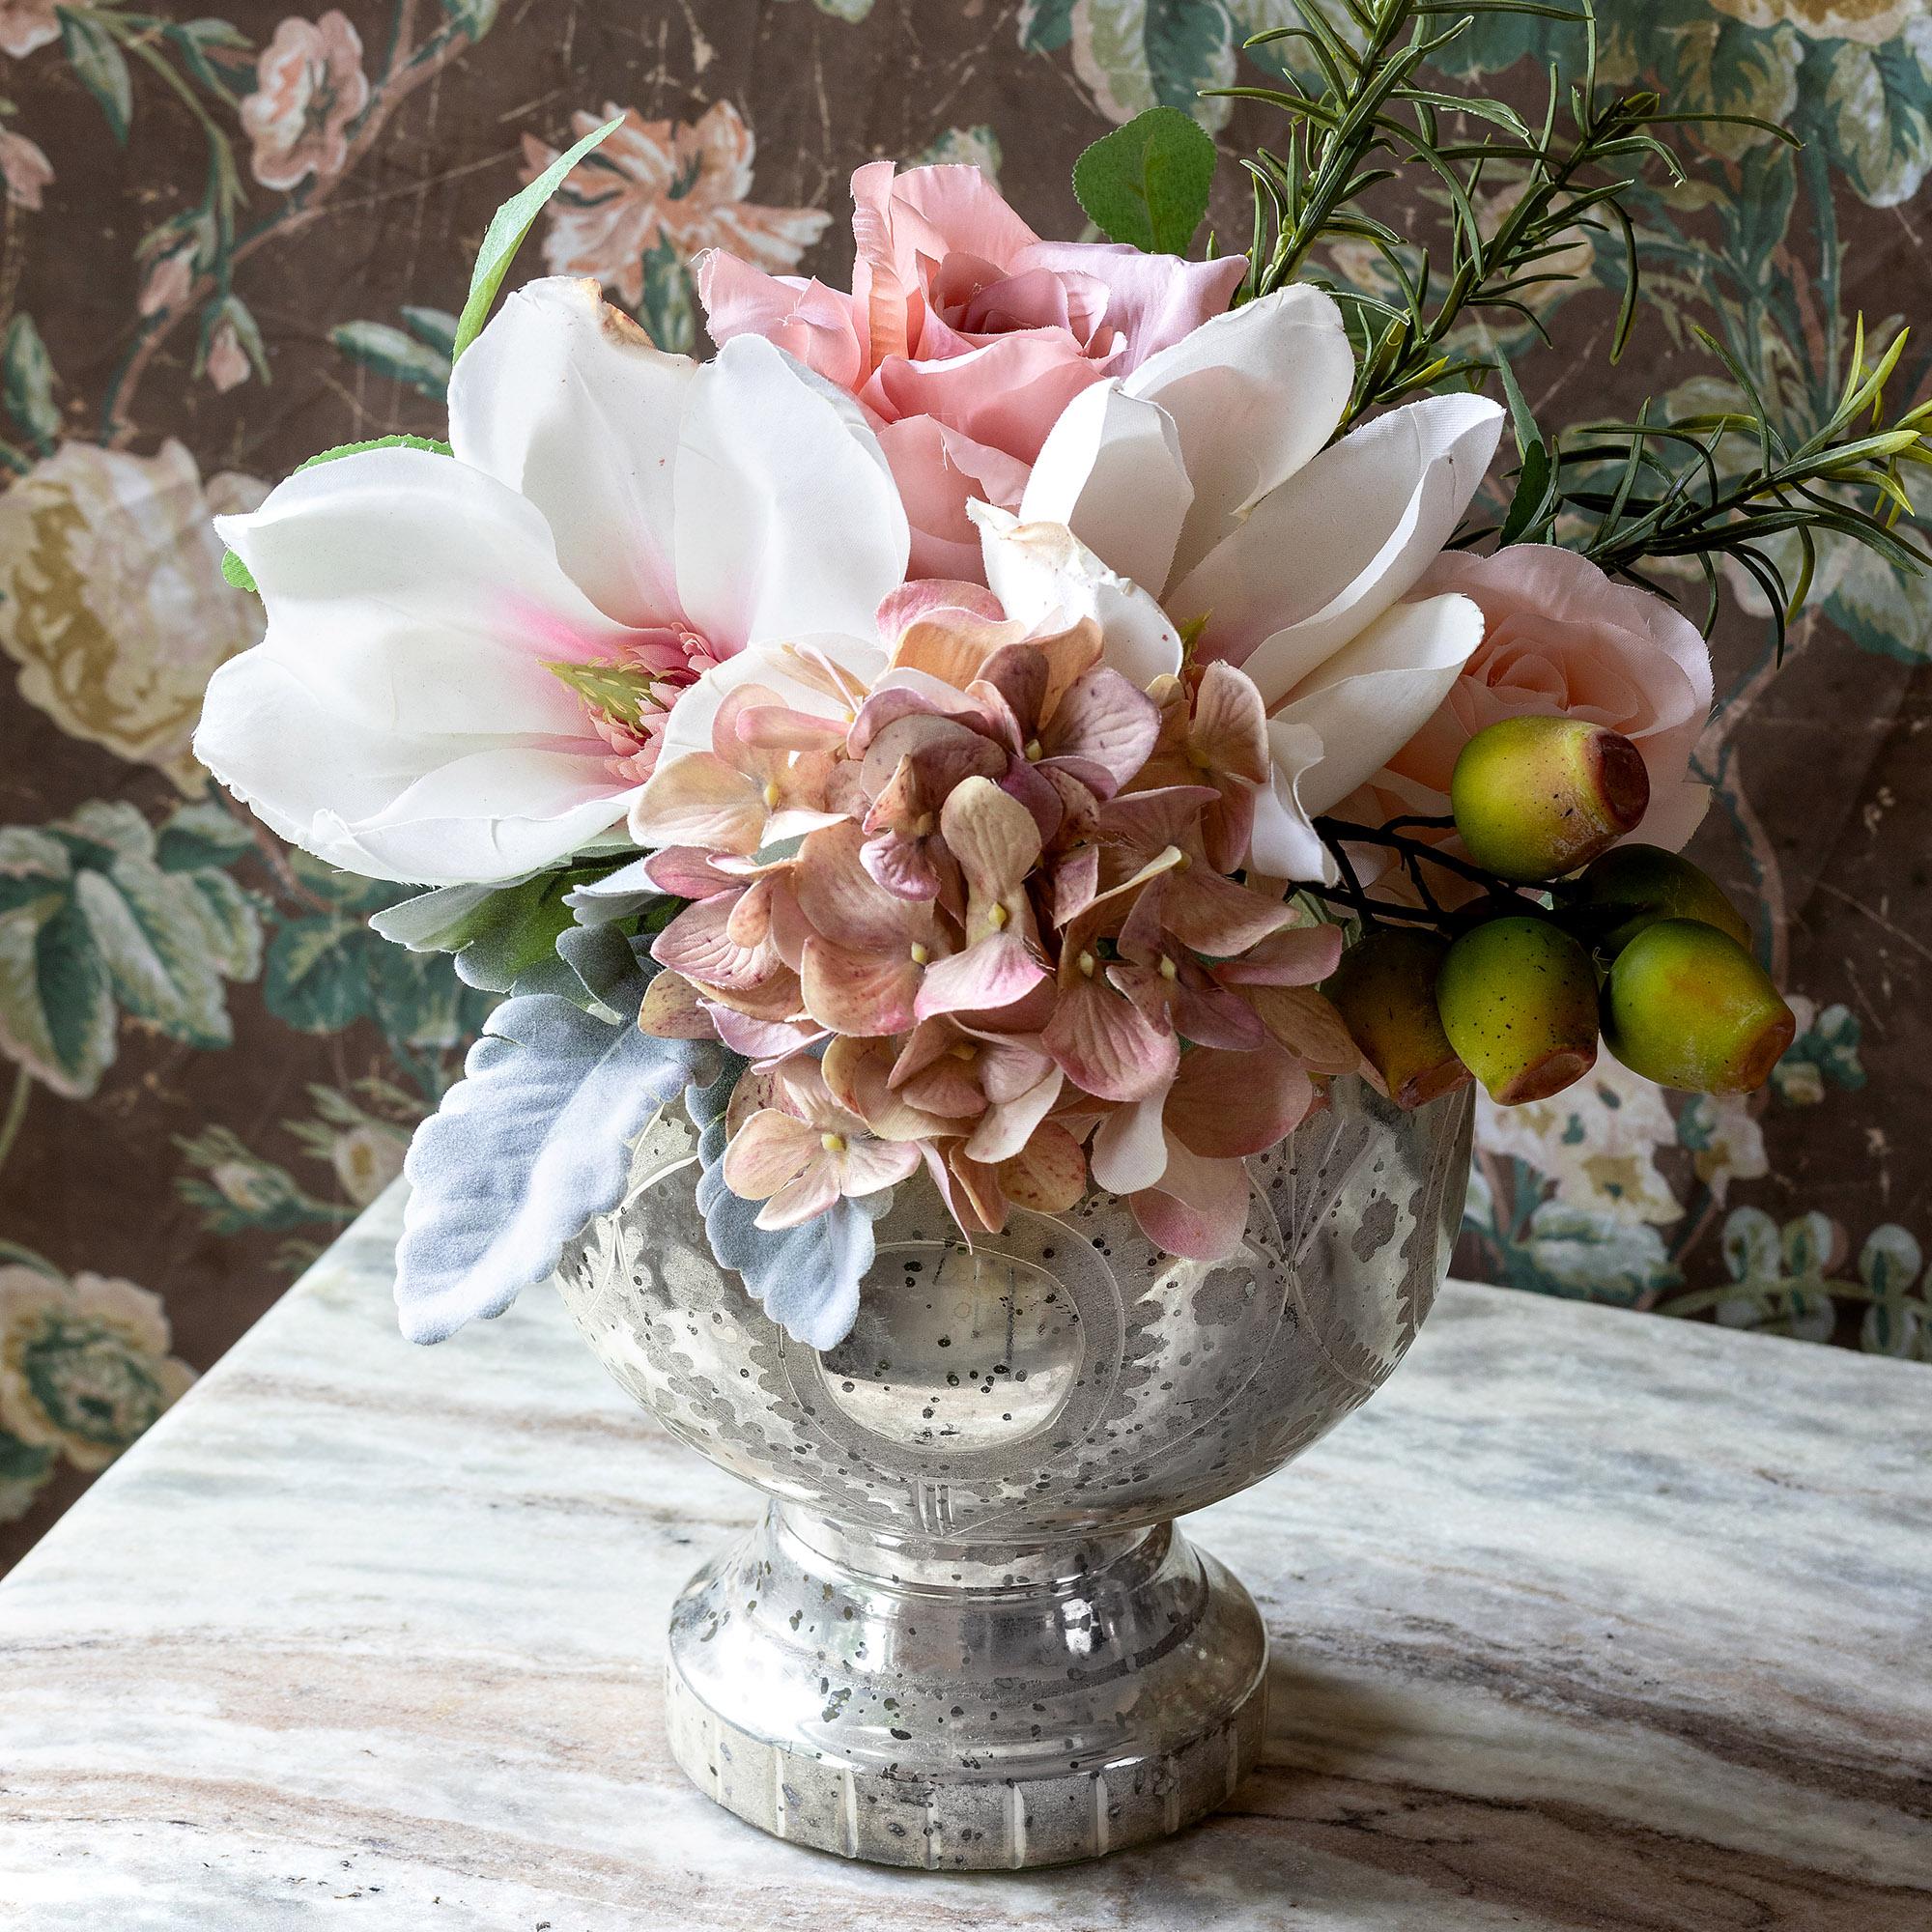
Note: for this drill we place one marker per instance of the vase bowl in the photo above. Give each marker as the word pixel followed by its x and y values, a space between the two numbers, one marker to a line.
pixel 966 1632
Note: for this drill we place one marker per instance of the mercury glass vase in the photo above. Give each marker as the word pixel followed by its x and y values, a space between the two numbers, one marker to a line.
pixel 967 1632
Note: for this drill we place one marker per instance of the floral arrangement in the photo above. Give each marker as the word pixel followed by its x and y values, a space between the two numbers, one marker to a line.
pixel 1031 722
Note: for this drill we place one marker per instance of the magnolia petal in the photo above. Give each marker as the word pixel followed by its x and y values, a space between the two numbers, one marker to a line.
pixel 1045 577
pixel 776 466
pixel 1284 843
pixel 564 399
pixel 1363 521
pixel 419 807
pixel 1199 1210
pixel 1129 1151
pixel 1105 1046
pixel 1372 697
pixel 1111 470
pixel 1047 1175
pixel 414 594
pixel 1225 1104
pixel 1253 395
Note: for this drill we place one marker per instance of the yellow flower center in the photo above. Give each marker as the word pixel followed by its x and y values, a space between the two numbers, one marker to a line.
pixel 997 918
pixel 920 956
pixel 832 1143
pixel 1033 751
pixel 1085 964
pixel 772 794
pixel 1168 969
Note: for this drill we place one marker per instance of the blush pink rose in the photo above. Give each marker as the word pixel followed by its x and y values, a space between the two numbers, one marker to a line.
pixel 1562 638
pixel 965 335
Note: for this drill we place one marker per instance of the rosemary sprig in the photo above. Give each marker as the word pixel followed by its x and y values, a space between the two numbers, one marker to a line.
pixel 1628 494
pixel 1373 118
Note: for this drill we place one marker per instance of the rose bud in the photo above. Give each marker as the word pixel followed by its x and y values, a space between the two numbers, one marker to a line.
pixel 1536 797
pixel 1688 1007
pixel 1652 884
pixel 1385 991
pixel 1518 999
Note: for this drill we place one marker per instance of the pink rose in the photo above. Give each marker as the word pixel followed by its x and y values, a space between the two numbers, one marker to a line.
pixel 965 335
pixel 309 86
pixel 1561 638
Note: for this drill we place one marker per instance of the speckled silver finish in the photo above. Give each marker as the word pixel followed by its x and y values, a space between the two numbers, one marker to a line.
pixel 966 1633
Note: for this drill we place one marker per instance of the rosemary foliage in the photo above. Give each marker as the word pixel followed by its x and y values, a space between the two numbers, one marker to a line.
pixel 1374 117
pixel 1727 487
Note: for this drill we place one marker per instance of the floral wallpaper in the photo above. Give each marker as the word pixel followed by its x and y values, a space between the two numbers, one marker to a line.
pixel 234 238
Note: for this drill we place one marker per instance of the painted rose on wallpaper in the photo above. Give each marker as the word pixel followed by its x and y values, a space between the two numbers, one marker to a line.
pixel 683 182
pixel 309 87
pixel 114 605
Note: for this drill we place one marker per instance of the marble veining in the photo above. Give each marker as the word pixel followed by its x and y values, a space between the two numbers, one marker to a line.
pixel 1584 1620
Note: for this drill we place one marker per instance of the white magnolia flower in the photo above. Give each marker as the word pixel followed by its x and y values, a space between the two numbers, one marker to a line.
pixel 1207 478
pixel 630 516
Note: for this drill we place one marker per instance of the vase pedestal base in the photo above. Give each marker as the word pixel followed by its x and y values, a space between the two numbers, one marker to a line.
pixel 965 1707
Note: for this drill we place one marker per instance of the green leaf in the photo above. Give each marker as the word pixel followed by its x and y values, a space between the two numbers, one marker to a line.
pixel 237 573
pixel 98 918
pixel 29 377
pixel 99 67
pixel 399 357
pixel 506 231
pixel 25 1469
pixel 1147 184
pixel 669 305
pixel 474 17
pixel 426 443
pixel 1045 25
pixel 436 326
pixel 495 935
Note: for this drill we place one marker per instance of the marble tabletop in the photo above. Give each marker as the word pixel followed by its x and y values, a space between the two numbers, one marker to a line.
pixel 1587 1620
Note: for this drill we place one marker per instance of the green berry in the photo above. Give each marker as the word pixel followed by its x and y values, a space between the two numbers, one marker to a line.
pixel 1518 998
pixel 1385 991
pixel 1688 1007
pixel 1534 798
pixel 1654 884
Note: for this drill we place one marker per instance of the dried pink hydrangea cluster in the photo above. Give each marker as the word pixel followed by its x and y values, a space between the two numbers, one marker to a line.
pixel 989 919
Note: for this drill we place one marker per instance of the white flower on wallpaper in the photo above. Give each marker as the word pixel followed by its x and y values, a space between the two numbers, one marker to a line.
pixel 112 600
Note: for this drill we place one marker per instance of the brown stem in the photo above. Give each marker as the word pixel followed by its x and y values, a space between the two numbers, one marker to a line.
pixel 405 74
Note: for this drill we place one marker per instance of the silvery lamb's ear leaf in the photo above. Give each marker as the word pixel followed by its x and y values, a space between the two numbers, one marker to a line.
pixel 532 1143
pixel 506 937
pixel 807 1277
pixel 614 895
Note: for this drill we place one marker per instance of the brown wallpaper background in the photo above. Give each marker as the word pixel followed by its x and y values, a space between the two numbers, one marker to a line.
pixel 166 1169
